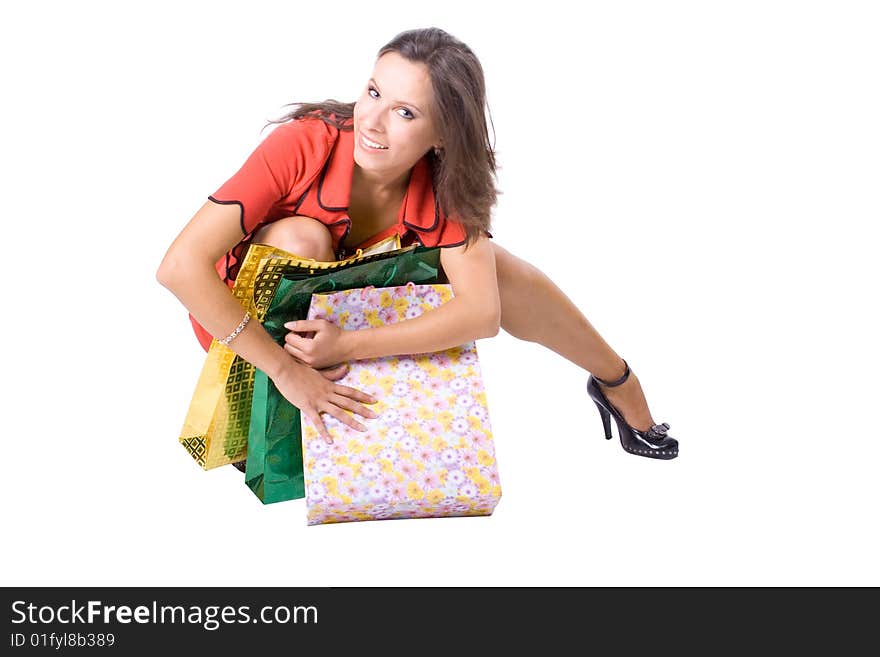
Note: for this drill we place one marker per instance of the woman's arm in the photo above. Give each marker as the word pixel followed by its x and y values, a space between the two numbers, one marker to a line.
pixel 187 270
pixel 474 312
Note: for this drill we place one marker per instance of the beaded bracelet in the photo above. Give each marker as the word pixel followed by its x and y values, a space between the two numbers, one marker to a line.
pixel 229 338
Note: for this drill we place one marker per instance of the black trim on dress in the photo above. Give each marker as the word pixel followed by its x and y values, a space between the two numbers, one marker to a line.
pixel 239 204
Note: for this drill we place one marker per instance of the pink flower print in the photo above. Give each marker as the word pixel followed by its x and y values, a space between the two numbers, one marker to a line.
pixel 468 458
pixel 419 375
pixel 434 428
pixel 351 489
pixel 318 446
pixel 377 493
pixel 388 316
pixel 356 322
pixel 334 300
pixel 459 412
pixel 430 480
pixel 490 474
pixel 418 399
pixel 449 456
pixel 460 425
pixel 396 433
pixel 432 299
pixel 479 412
pixel 468 490
pixel 368 437
pixel 438 404
pixel 406 364
pixel 458 384
pixel 337 448
pixel 316 492
pixel 479 440
pixel 387 480
pixel 476 385
pixel 407 415
pixel 456 478
pixel 396 492
pixel 370 470
pixel 465 401
pixel 389 453
pixel 408 470
pixel 408 443
pixel 425 454
pixel 412 312
pixel 323 465
pixel 354 300
pixel 400 389
pixel 381 367
pixel 434 385
pixel 342 472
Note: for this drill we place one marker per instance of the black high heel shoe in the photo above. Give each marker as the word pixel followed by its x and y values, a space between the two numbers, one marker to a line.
pixel 653 443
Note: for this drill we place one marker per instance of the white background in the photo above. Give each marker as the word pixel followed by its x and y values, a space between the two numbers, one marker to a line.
pixel 700 178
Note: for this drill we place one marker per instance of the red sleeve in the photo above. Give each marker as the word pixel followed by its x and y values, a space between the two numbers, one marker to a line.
pixel 273 175
pixel 452 233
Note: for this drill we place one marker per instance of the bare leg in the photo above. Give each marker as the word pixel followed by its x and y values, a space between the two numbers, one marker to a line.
pixel 534 309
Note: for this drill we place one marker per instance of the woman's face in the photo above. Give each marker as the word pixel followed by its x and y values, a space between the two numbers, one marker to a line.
pixel 395 111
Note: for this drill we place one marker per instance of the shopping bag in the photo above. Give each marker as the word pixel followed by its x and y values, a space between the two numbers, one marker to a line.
pixel 430 452
pixel 274 445
pixel 217 422
pixel 216 425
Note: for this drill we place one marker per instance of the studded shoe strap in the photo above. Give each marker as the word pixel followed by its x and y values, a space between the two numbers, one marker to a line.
pixel 619 381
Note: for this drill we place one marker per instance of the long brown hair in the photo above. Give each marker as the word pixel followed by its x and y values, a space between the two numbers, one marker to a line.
pixel 463 172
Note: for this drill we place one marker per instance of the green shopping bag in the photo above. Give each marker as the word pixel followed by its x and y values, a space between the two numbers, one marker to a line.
pixel 274 470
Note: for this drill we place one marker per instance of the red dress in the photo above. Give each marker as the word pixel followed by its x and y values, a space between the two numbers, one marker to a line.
pixel 304 167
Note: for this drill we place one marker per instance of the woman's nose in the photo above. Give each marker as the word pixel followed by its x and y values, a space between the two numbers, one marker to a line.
pixel 372 125
pixel 371 121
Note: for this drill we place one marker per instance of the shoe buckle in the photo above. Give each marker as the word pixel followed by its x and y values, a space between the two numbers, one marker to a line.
pixel 659 429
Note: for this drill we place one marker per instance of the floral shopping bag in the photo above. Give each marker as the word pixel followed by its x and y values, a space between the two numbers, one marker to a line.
pixel 430 452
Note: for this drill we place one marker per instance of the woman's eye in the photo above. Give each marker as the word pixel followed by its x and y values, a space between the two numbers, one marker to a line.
pixel 409 115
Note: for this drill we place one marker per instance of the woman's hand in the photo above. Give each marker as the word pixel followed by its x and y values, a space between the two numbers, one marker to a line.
pixel 314 392
pixel 323 345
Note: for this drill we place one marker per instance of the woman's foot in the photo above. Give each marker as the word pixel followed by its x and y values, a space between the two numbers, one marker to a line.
pixel 629 399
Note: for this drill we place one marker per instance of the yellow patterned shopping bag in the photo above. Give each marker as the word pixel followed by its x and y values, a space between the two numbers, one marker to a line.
pixel 430 453
pixel 217 422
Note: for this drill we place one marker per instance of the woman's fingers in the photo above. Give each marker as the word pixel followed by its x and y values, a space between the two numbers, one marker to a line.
pixel 342 416
pixel 354 394
pixel 315 417
pixel 353 406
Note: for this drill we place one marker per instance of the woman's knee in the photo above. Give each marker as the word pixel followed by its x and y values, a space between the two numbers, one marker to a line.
pixel 509 266
pixel 300 235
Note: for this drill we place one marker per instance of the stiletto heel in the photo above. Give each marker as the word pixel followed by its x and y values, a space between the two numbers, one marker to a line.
pixel 606 420
pixel 653 443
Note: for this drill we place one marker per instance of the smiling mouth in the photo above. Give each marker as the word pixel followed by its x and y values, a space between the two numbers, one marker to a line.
pixel 371 145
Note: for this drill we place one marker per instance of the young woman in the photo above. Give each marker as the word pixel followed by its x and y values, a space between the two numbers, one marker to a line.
pixel 411 157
